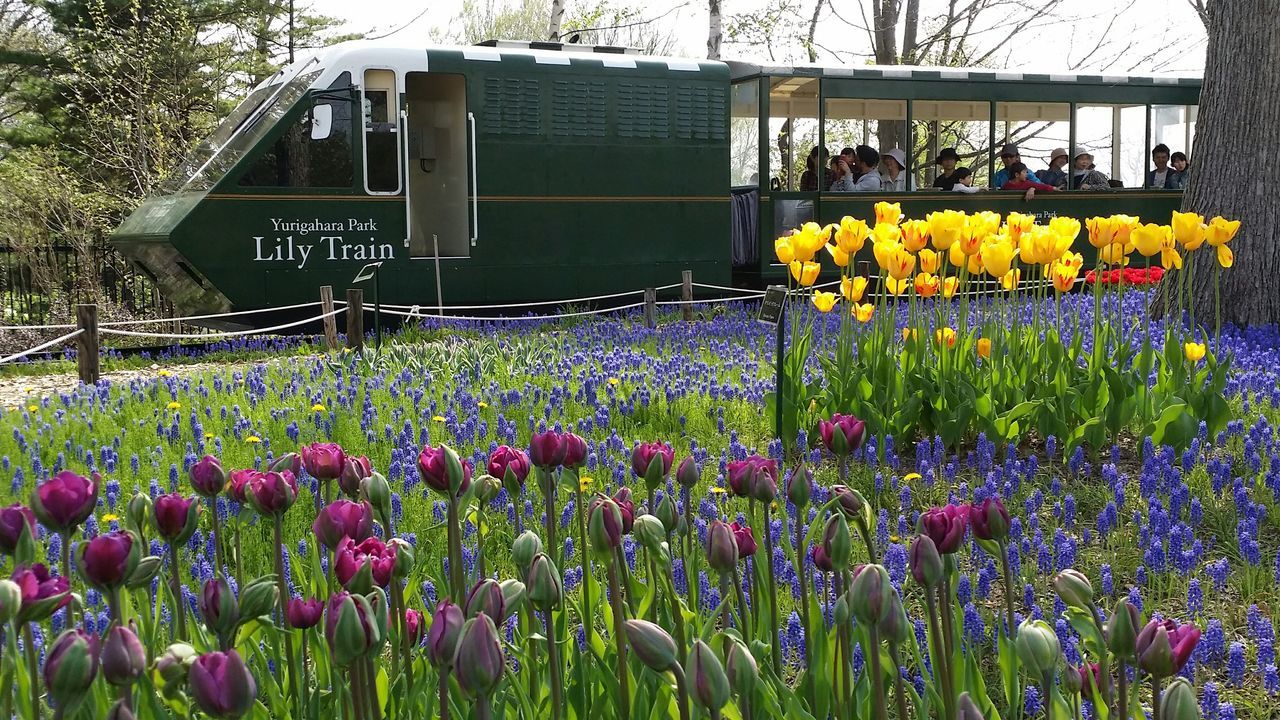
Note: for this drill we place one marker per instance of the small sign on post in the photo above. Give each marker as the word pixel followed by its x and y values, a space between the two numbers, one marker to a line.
pixel 771 307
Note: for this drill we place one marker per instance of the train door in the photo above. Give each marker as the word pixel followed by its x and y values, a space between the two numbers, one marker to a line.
pixel 381 133
pixel 440 173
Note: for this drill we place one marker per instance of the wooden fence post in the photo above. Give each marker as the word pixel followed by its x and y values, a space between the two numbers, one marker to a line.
pixel 87 343
pixel 355 318
pixel 330 321
pixel 650 307
pixel 686 294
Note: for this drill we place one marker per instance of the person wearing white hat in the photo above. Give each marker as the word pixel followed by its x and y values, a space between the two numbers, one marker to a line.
pixel 1084 176
pixel 1054 174
pixel 894 176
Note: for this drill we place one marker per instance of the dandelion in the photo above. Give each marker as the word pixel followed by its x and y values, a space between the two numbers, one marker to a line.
pixel 482 404
pixel 614 381
pixel 108 518
pixel 718 490
pixel 438 418
pixel 164 373
pixel 208 436
pixel 175 405
pixel 317 408
pixel 253 439
pixel 585 483
pixel 31 408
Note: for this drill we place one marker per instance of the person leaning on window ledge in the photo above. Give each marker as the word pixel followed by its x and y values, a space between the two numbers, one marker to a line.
pixel 1084 176
pixel 1018 180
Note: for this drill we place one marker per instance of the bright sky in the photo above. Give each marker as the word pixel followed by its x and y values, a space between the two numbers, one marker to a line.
pixel 1166 34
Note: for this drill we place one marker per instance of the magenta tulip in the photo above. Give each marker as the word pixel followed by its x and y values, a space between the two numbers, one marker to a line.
pixel 343 518
pixel 945 526
pixel 575 451
pixel 238 485
pixel 743 474
pixel 14 521
pixel 358 565
pixel 70 667
pixel 433 466
pixel 221 684
pixel 123 659
pixel 65 500
pixel 175 517
pixel 442 636
pixel 42 593
pixel 746 541
pixel 271 493
pixel 108 560
pixel 323 461
pixel 627 506
pixel 722 547
pixel 207 476
pixel 842 434
pixel 546 450
pixel 510 465
pixel 989 519
pixel 415 625
pixel 642 457
pixel 821 559
pixel 354 469
pixel 1163 647
pixel 302 614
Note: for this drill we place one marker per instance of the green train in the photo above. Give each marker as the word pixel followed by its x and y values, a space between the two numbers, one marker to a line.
pixel 523 172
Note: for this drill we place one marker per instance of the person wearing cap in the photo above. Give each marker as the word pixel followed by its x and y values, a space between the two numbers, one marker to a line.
pixel 963 177
pixel 1009 156
pixel 894 176
pixel 1054 174
pixel 1162 177
pixel 948 159
pixel 1084 176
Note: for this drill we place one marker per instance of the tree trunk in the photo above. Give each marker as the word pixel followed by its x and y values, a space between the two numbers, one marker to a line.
pixel 910 33
pixel 813 31
pixel 1240 119
pixel 557 17
pixel 714 29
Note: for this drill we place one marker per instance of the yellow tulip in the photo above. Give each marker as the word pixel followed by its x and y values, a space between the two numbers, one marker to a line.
pixel 1124 226
pixel 1102 231
pixel 946 228
pixel 1017 224
pixel 838 256
pixel 806 242
pixel 883 250
pixel 980 226
pixel 1226 258
pixel 1194 351
pixel 887 212
pixel 864 312
pixel 926 285
pixel 900 263
pixel 915 234
pixel 1221 230
pixel 949 287
pixel 1115 254
pixel 886 233
pixel 852 288
pixel 928 260
pixel 1073 259
pixel 805 273
pixel 945 336
pixel 984 347
pixel 908 333
pixel 957 255
pixel 1189 229
pixel 1169 257
pixel 783 249
pixel 1147 239
pixel 1065 227
pixel 997 255
pixel 975 264
pixel 896 286
pixel 1064 276
pixel 824 301
pixel 851 235
pixel 1011 279
pixel 1038 246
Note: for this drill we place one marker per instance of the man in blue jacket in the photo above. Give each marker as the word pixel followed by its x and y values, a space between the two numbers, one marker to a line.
pixel 1162 177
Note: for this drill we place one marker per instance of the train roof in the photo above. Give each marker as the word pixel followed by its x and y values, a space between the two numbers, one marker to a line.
pixel 743 70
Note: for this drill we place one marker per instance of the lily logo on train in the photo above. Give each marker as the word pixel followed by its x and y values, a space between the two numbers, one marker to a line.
pixel 332 244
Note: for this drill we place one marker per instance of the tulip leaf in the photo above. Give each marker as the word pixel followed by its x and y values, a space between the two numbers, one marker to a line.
pixel 1175 427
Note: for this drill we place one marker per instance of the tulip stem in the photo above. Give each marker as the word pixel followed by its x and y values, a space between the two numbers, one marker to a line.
pixel 1124 691
pixel 899 692
pixel 217 536
pixel 479 541
pixel 549 501
pixel 397 597
pixel 73 605
pixel 370 677
pixel 1046 682
pixel 877 674
pixel 357 691
pixel 615 600
pixel 484 711
pixel 743 613
pixel 553 653
pixel 677 615
pixel 443 691
pixel 588 622
pixel 33 669
pixel 455 551
pixel 940 660
pixel 1155 698
pixel 239 556
pixel 774 621
pixel 283 601
pixel 175 588
pixel 1008 588
pixel 682 690
pixel 691 582
pixel 802 573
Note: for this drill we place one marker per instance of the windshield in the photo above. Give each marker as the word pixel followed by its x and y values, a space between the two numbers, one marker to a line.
pixel 237 134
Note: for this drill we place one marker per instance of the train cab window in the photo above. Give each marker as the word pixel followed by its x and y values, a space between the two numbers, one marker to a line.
pixel 937 125
pixel 315 151
pixel 381 133
pixel 878 124
pixel 744 134
pixel 1037 129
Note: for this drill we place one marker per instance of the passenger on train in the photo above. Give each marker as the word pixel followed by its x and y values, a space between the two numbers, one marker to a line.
pixel 1009 156
pixel 863 176
pixel 1054 174
pixel 1160 177
pixel 1085 176
pixel 811 181
pixel 963 179
pixel 894 176
pixel 947 159
pixel 1019 180
pixel 1181 174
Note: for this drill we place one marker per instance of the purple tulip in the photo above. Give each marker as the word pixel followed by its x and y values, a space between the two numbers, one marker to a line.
pixel 821 559
pixel 415 625
pixel 510 465
pixel 288 461
pixel 238 485
pixel 42 593
pixel 107 561
pixel 64 501
pixel 354 469
pixel 207 476
pixel 218 607
pixel 175 517
pixel 799 487
pixel 323 461
pixel 302 614
pixel 722 547
pixel 14 520
pixel 70 666
pixel 433 465
pixel 351 560
pixel 271 493
pixel 546 450
pixel 745 540
pixel 350 628
pixel 123 658
pixel 478 662
pixel 442 636
pixel 1163 647
pixel 842 434
pixel 627 506
pixel 343 518
pixel 642 457
pixel 989 519
pixel 486 597
pixel 688 474
pixel 744 475
pixel 604 525
pixel 221 684
pixel 945 526
pixel 575 451
pixel 925 562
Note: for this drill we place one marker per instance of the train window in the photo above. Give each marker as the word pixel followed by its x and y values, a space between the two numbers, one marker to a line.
pixel 1173 126
pixel 793 133
pixel 744 134
pixel 303 157
pixel 1116 137
pixel 964 125
pixel 879 124
pixel 381 133
pixel 1037 129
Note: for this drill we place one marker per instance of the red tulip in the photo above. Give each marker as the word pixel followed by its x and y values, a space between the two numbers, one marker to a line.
pixel 14 520
pixel 323 461
pixel 343 518
pixel 354 469
pixel 207 476
pixel 370 562
pixel 302 614
pixel 575 450
pixel 65 500
pixel 989 519
pixel 547 450
pixel 746 541
pixel 42 593
pixel 945 526
pixel 510 465
pixel 175 517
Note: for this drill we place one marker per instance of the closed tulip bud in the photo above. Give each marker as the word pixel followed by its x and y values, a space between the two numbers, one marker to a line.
pixel 486 597
pixel 271 493
pixel 651 462
pixel 175 517
pixel 302 614
pixel 343 518
pixel 1179 701
pixel 511 466
pixel 853 505
pixel 722 547
pixel 291 462
pixel 120 711
pixel 525 549
pixel 667 513
pixel 259 598
pixel 842 614
pixel 1037 647
pixel 69 669
pixel 1122 630
pixel 742 669
pixel 925 562
pixel 137 514
pixel 765 487
pixel 688 474
pixel 355 468
pixel 323 461
pixel 546 590
pixel 945 526
pixel 17 526
pixel 10 600
pixel 218 607
pixel 487 488
pixel 146 570
pixel 221 684
pixel 350 628
pixel 478 662
pixel 375 490
pixel 894 626
pixel 870 594
pixel 1074 589
pixel 837 541
pixel 415 626
pixel 649 532
pixel 800 486
pixel 107 561
pixel 173 663
pixel 123 659
pixel 442 636
pixel 709 684
pixel 207 476
pixel 575 451
pixel 989 519
pixel 546 450
pixel 380 619
pixel 651 644
pixel 65 500
pixel 604 526
pixel 514 593
pixel 1071 680
pixel 967 709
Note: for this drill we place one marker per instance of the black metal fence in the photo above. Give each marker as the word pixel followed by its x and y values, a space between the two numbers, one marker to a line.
pixel 43 286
